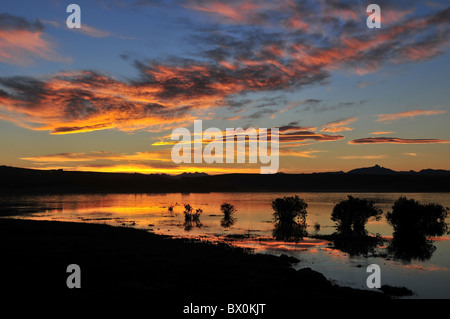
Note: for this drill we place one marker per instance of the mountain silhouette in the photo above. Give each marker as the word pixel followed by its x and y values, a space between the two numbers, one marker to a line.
pixel 369 179
pixel 374 170
pixel 380 170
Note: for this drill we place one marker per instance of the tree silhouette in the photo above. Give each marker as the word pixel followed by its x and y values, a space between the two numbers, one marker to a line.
pixel 352 214
pixel 412 218
pixel 290 218
pixel 413 223
pixel 228 211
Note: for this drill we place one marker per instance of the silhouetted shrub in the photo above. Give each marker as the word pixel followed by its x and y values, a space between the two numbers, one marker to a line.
pixel 171 207
pixel 352 214
pixel 187 213
pixel 289 208
pixel 290 218
pixel 409 217
pixel 228 211
pixel 190 216
pixel 412 223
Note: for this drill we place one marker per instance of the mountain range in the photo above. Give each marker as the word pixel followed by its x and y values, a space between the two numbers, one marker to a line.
pixel 379 170
pixel 366 179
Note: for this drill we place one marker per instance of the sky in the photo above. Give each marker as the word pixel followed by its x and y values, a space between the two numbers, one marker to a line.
pixel 107 96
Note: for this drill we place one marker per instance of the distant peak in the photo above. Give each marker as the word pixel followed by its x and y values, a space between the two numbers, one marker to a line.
pixel 188 174
pixel 377 169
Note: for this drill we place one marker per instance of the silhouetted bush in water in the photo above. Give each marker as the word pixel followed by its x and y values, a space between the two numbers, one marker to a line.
pixel 187 212
pixel 290 218
pixel 228 211
pixel 191 217
pixel 289 208
pixel 352 214
pixel 171 207
pixel 412 218
pixel 412 223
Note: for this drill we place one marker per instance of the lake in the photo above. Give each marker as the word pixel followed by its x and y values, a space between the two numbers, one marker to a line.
pixel 427 272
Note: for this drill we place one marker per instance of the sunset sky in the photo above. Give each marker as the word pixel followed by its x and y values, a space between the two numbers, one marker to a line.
pixel 106 97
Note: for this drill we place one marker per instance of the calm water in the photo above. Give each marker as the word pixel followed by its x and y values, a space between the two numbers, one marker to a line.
pixel 428 278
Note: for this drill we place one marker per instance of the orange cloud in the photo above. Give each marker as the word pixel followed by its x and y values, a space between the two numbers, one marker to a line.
pixel 289 136
pixel 142 162
pixel 100 155
pixel 408 114
pixel 350 157
pixel 86 101
pixel 164 96
pixel 339 126
pixel 294 153
pixel 301 136
pixel 353 51
pixel 381 132
pixel 336 129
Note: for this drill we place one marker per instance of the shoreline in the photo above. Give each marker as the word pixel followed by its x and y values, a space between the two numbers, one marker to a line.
pixel 119 262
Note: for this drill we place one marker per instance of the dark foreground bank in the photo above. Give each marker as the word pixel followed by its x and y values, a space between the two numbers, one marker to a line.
pixel 122 264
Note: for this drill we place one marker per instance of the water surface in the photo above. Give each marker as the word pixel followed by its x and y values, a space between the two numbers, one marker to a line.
pixel 427 276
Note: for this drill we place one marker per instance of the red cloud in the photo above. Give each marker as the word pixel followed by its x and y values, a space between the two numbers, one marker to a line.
pixel 301 136
pixel 23 46
pixel 21 41
pixel 394 140
pixel 166 93
pixel 87 101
